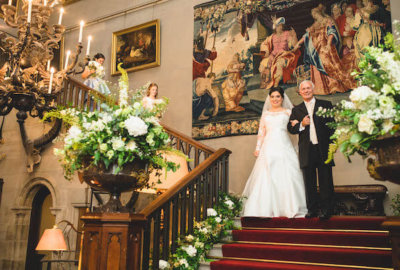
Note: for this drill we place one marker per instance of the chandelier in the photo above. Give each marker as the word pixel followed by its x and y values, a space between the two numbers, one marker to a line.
pixel 27 83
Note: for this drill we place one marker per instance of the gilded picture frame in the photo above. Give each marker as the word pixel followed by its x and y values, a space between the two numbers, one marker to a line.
pixel 137 47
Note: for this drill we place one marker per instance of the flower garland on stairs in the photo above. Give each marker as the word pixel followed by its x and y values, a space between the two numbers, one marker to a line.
pixel 193 248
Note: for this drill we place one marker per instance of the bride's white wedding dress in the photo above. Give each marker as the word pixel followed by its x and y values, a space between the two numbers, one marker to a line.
pixel 275 187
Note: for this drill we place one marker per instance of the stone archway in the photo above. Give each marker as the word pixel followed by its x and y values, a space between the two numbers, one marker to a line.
pixel 19 227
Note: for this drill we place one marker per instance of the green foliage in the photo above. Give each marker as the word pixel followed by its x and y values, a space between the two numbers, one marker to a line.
pixel 395 205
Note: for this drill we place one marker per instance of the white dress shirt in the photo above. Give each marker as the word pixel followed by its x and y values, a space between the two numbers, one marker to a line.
pixel 310 109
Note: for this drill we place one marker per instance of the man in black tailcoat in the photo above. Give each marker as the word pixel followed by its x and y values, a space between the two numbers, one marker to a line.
pixel 314 140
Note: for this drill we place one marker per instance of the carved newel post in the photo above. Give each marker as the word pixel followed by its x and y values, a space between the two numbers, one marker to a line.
pixel 112 241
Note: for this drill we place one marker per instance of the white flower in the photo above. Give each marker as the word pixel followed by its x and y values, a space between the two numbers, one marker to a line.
pixel 117 143
pixel 365 124
pixel 218 219
pixel 74 134
pixel 361 94
pixel 135 126
pixel 211 212
pixel 136 105
pixel 98 125
pixel 183 262
pixel 374 114
pixel 229 203
pixel 189 238
pixel 348 105
pixel 387 89
pixel 203 230
pixel 110 154
pixel 103 147
pixel 198 244
pixel 190 250
pixel 387 125
pixel 131 145
pixel 163 264
pixel 387 103
pixel 107 118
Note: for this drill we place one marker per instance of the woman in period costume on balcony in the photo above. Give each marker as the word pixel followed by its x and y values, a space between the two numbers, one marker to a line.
pixel 279 59
pixel 94 75
pixel 322 44
pixel 151 97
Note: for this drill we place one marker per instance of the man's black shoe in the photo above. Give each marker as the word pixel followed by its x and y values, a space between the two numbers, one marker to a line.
pixel 325 215
pixel 311 215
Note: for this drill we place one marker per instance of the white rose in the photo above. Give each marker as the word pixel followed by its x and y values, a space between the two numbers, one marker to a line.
pixel 136 105
pixel 190 250
pixel 362 93
pixel 107 118
pixel 387 89
pixel 117 143
pixel 74 132
pixel 229 203
pixel 218 219
pixel 203 230
pixel 365 124
pixel 135 126
pixel 387 125
pixel 131 145
pixel 211 212
pixel 98 125
pixel 163 264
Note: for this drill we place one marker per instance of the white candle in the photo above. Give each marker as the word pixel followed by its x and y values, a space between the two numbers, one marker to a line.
pixel 88 45
pixel 29 11
pixel 9 2
pixel 81 31
pixel 67 58
pixel 61 14
pixel 44 2
pixel 51 79
pixel 48 65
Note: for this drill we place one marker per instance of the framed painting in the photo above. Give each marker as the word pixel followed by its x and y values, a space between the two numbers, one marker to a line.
pixel 136 47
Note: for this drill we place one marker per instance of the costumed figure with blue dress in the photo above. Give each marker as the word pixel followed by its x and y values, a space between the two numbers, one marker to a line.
pixel 94 75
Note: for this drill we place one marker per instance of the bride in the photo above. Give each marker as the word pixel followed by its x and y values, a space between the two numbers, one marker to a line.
pixel 275 187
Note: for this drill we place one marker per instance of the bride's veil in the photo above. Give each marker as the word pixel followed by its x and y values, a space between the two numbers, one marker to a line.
pixel 286 104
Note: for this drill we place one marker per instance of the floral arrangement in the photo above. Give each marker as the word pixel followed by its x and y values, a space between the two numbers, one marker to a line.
pixel 193 248
pixel 94 65
pixel 119 134
pixel 374 107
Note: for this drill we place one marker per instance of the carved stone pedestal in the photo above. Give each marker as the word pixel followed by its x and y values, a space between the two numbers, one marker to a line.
pixel 393 225
pixel 111 241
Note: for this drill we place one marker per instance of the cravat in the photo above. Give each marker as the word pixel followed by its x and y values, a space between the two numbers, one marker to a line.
pixel 313 132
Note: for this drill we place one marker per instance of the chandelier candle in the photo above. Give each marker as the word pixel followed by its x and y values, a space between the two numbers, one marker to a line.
pixel 66 59
pixel 44 2
pixel 29 11
pixel 60 17
pixel 88 45
pixel 48 65
pixel 81 31
pixel 9 2
pixel 51 79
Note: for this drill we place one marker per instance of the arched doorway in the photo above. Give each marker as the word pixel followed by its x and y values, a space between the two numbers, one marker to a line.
pixel 41 219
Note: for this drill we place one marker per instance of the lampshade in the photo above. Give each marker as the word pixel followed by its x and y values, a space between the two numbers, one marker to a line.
pixel 171 177
pixel 52 239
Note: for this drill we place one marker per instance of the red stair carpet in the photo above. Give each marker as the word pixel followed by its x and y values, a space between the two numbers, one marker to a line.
pixel 341 242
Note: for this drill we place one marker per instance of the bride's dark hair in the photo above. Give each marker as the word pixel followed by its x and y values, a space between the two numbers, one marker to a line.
pixel 277 89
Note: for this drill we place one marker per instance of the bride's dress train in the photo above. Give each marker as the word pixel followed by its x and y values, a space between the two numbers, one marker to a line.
pixel 275 187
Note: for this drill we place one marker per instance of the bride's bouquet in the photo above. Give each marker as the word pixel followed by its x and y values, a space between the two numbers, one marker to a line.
pixel 97 67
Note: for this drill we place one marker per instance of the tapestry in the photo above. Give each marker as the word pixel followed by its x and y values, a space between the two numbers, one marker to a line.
pixel 243 48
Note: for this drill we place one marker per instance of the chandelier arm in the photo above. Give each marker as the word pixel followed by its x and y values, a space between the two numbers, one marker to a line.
pixel 49 136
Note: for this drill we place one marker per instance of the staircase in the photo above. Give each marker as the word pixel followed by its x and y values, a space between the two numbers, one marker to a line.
pixel 342 242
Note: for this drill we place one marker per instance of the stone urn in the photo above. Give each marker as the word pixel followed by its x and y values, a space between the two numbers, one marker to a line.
pixel 384 161
pixel 133 176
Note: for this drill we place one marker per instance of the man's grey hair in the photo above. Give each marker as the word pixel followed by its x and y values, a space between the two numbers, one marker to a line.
pixel 307 81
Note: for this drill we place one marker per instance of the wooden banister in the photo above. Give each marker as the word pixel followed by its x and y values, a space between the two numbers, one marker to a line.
pixel 173 190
